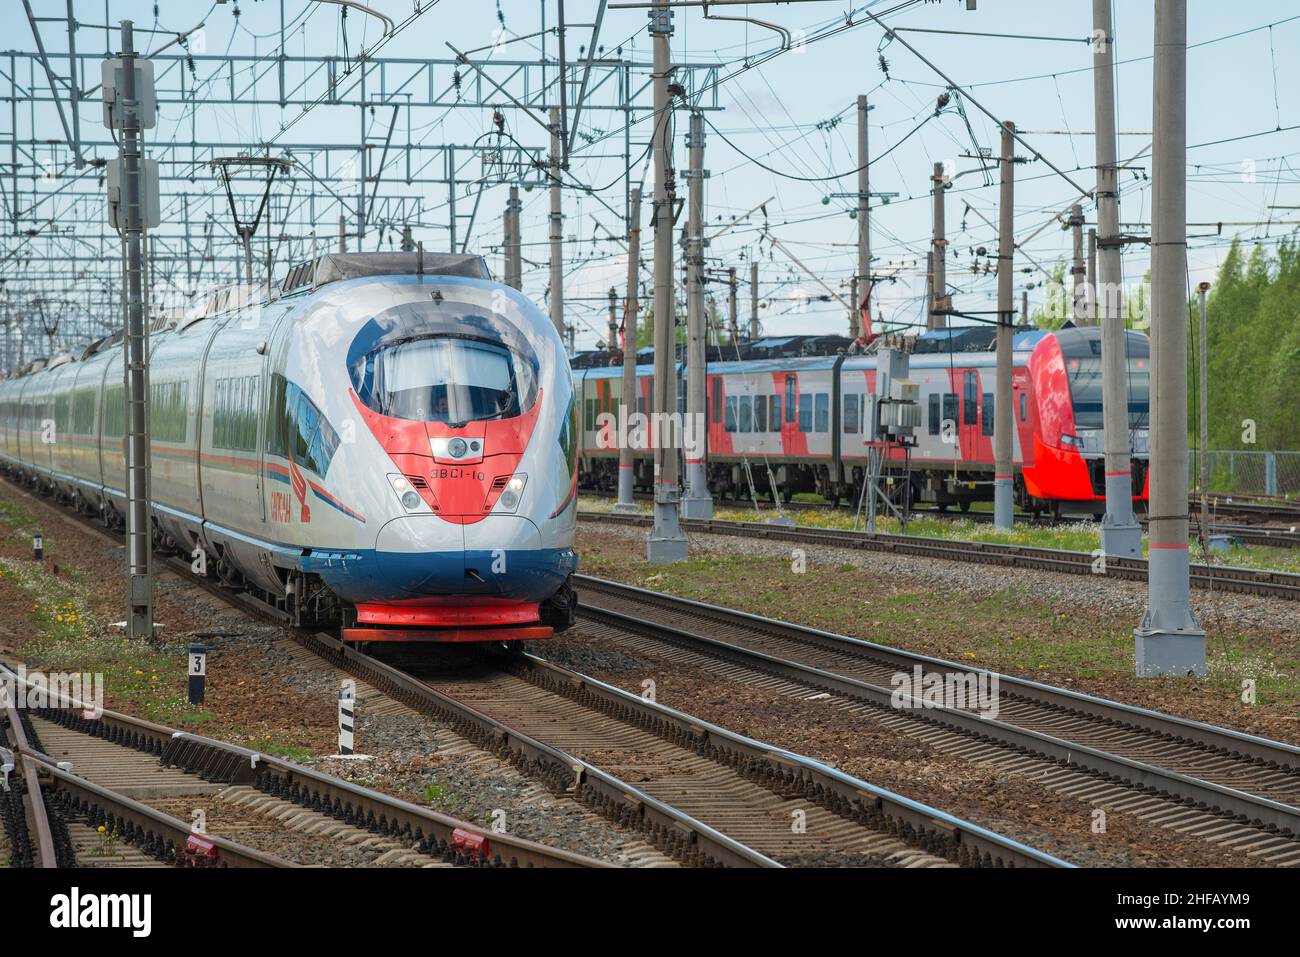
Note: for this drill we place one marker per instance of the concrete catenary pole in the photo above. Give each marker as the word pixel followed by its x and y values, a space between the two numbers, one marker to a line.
pixel 938 254
pixel 1078 271
pixel 1121 536
pixel 1003 465
pixel 733 315
pixel 697 503
pixel 611 333
pixel 1169 640
pixel 667 542
pixel 626 465
pixel 864 217
pixel 1024 307
pixel 343 233
pixel 1092 277
pixel 514 263
pixel 1203 395
pixel 753 299
pixel 557 228
pixel 139 617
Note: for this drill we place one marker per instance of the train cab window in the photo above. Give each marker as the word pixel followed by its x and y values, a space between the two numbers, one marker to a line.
pixel 851 414
pixel 716 405
pixel 987 421
pixel 296 428
pixel 746 409
pixel 730 424
pixel 1024 407
pixel 950 407
pixel 790 400
pixel 805 412
pixel 774 412
pixel 760 413
pixel 970 405
pixel 823 401
pixel 934 416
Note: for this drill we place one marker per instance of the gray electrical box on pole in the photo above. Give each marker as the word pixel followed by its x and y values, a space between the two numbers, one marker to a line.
pixel 133 207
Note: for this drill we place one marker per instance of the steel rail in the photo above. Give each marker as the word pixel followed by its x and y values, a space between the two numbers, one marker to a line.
pixel 40 821
pixel 1246 806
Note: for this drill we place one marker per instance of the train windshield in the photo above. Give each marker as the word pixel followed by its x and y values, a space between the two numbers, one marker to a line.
pixel 429 364
pixel 1086 392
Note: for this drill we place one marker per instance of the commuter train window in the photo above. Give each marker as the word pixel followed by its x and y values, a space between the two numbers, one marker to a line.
pixel 774 411
pixel 167 411
pixel 83 412
pixel 760 413
pixel 1024 407
pixel 987 421
pixel 745 407
pixel 115 411
pixel 970 410
pixel 296 428
pixel 805 412
pixel 851 413
pixel 790 399
pixel 235 413
pixel 444 361
pixel 588 415
pixel 640 404
pixel 949 408
pixel 731 414
pixel 823 412
pixel 715 409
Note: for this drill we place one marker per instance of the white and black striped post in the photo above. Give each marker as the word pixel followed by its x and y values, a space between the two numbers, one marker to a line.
pixel 347 717
pixel 198 673
pixel 38 547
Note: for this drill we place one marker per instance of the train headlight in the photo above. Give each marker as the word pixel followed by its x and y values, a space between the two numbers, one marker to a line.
pixel 406 493
pixel 510 495
pixel 1073 441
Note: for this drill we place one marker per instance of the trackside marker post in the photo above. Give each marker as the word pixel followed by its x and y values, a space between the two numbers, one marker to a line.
pixel 347 722
pixel 38 547
pixel 198 673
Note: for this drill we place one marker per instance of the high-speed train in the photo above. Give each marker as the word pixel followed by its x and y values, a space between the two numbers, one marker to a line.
pixel 800 419
pixel 386 442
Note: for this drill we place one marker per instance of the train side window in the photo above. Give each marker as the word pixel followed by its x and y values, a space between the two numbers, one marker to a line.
pixel 987 421
pixel 851 413
pixel 790 399
pixel 730 424
pixel 746 409
pixel 823 400
pixel 640 404
pixel 588 415
pixel 774 409
pixel 716 405
pixel 950 407
pixel 805 412
pixel 970 410
pixel 760 413
pixel 934 416
pixel 1024 407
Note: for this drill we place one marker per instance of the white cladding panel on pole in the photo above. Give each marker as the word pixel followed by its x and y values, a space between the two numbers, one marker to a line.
pixel 149 200
pixel 111 77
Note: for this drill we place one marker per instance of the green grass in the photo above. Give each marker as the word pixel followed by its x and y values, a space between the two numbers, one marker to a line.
pixel 281 749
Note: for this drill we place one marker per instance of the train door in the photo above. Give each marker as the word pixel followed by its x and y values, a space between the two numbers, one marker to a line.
pixel 969 425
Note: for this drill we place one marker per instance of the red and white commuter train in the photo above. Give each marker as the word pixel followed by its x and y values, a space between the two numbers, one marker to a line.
pixel 802 418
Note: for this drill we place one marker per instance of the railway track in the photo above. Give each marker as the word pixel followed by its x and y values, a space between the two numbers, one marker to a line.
pixel 145 783
pixel 1273 536
pixel 715 779
pixel 1235 788
pixel 1247 581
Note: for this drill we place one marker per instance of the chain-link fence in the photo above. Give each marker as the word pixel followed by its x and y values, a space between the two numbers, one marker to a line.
pixel 1247 472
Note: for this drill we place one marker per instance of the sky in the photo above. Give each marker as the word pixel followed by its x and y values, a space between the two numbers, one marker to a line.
pixel 786 127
